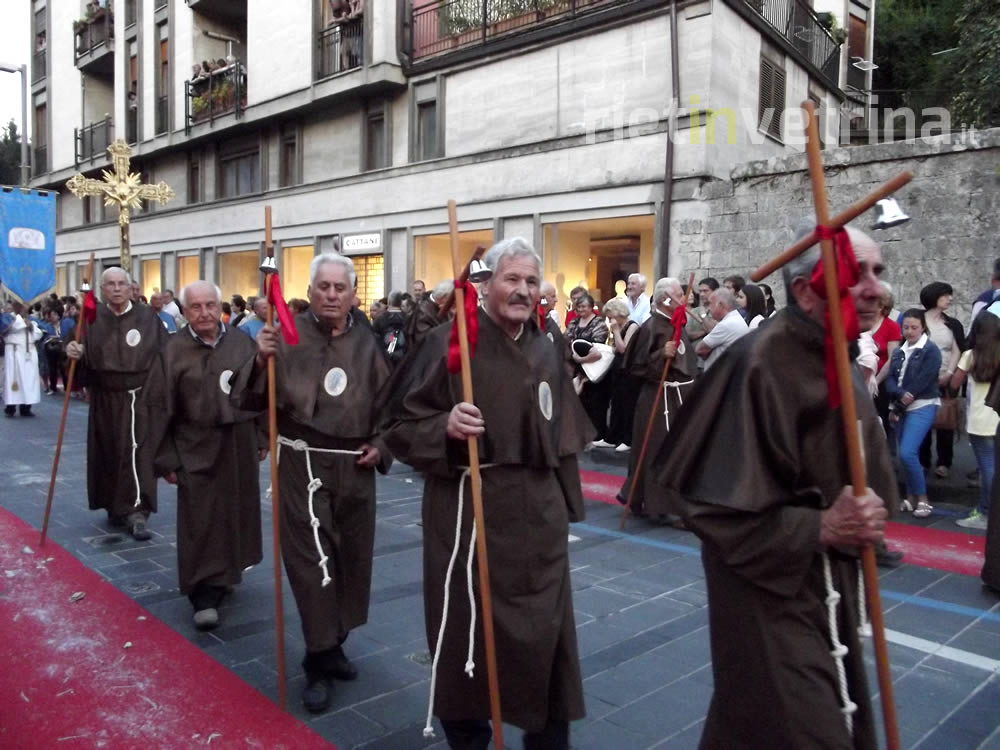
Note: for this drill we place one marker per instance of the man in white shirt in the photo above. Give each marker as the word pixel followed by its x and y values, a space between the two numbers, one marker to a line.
pixel 729 328
pixel 636 299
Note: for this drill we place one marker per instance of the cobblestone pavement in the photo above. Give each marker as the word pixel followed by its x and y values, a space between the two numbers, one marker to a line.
pixel 639 598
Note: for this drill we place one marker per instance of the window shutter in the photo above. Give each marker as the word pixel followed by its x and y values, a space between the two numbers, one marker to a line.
pixel 772 96
pixel 766 89
pixel 778 103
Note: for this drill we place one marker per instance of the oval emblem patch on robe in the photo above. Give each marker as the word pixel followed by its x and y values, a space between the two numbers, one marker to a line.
pixel 545 400
pixel 224 381
pixel 133 337
pixel 335 381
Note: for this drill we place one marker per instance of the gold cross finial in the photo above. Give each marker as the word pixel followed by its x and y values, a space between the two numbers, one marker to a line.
pixel 122 189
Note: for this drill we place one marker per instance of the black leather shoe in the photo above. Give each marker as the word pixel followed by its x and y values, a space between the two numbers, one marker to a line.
pixel 139 531
pixel 318 694
pixel 887 558
pixel 339 666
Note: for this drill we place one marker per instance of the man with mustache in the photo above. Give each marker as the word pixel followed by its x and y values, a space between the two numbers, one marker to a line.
pixel 780 531
pixel 326 388
pixel 530 426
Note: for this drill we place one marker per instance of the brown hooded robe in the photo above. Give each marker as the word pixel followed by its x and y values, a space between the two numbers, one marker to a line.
pixel 212 447
pixel 535 426
pixel 755 458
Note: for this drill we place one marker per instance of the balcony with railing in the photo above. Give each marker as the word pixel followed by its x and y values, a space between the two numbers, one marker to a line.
pixel 227 11
pixel 92 141
pixel 441 26
pixel 215 93
pixel 341 47
pixel 39 160
pixel 797 23
pixel 95 42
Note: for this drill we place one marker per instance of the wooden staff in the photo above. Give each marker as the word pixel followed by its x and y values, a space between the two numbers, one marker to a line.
pixel 476 480
pixel 848 406
pixel 649 424
pixel 477 254
pixel 272 431
pixel 68 385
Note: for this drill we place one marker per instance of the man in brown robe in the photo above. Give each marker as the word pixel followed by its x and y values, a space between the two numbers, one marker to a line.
pixel 759 467
pixel 530 426
pixel 211 452
pixel 123 361
pixel 326 389
pixel 427 316
pixel 646 356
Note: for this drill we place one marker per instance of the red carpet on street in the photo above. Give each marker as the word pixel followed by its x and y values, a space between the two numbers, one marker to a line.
pixel 82 665
pixel 950 551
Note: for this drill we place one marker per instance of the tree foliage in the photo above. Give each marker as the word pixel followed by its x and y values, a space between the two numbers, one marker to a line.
pixel 976 65
pixel 10 155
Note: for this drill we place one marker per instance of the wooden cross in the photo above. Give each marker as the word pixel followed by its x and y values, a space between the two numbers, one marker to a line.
pixel 848 406
pixel 123 189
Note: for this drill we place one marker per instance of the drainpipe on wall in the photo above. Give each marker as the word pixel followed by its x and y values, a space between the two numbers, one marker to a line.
pixel 668 172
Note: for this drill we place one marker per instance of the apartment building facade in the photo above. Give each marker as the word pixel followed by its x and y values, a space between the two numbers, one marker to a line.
pixel 357 120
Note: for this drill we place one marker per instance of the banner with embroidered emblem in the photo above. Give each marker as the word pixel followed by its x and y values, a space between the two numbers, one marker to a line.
pixel 27 243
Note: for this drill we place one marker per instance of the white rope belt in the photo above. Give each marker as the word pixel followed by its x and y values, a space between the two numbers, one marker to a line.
pixel 470 664
pixel 314 484
pixel 677 385
pixel 135 447
pixel 839 650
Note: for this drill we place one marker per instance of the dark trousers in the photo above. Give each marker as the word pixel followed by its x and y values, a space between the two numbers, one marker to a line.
pixel 206 596
pixel 945 448
pixel 24 408
pixel 624 394
pixel 55 362
pixel 475 734
pixel 595 398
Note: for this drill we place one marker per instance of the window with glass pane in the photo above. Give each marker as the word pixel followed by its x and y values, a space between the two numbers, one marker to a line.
pixel 151 280
pixel 187 271
pixel 239 174
pixel 239 274
pixel 376 155
pixel 427 138
pixel 288 160
pixel 62 281
pixel 295 270
pixel 371 278
pixel 194 179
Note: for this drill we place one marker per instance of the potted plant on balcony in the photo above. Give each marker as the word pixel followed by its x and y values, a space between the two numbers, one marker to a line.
pixel 199 106
pixel 222 96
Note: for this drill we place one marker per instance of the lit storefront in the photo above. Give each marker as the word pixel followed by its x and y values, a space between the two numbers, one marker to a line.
pixel 188 271
pixel 151 279
pixel 365 250
pixel 239 273
pixel 432 254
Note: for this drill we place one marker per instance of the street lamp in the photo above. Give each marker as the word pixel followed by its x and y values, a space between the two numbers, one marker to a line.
pixel 23 70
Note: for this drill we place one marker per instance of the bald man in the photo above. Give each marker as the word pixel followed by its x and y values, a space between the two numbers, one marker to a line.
pixel 123 360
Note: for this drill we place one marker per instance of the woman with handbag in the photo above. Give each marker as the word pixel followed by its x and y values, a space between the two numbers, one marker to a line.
pixel 589 327
pixel 949 336
pixel 624 385
pixel 912 384
pixel 982 365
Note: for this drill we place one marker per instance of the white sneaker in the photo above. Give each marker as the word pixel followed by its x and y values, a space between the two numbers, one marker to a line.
pixel 602 444
pixel 975 520
pixel 905 506
pixel 923 509
pixel 622 448
pixel 206 619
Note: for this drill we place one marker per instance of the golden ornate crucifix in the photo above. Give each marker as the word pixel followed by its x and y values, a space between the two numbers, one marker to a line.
pixel 123 189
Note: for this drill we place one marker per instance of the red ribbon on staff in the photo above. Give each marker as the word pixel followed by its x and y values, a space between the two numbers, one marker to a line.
pixel 678 319
pixel 274 297
pixel 847 276
pixel 89 307
pixel 471 325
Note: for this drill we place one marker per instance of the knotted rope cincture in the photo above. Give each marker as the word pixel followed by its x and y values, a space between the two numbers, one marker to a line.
pixel 135 447
pixel 470 664
pixel 680 397
pixel 839 650
pixel 314 484
pixel 864 627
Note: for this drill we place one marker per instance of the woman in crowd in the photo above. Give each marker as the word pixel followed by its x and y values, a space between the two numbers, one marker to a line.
pixel 913 389
pixel 624 386
pixel 751 300
pixel 768 299
pixel 947 333
pixel 590 327
pixel 886 334
pixel 981 365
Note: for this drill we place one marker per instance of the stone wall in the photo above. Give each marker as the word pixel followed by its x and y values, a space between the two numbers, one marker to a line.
pixel 953 201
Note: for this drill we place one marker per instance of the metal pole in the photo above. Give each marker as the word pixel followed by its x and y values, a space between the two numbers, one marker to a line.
pixel 25 169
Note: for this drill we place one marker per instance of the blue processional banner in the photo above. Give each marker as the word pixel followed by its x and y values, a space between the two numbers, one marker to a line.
pixel 27 243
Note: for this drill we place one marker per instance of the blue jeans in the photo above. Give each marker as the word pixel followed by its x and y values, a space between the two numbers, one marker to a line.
pixel 912 428
pixel 982 446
